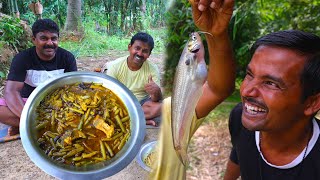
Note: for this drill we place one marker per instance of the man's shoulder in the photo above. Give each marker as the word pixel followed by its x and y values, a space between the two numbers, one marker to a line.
pixel 120 59
pixel 117 61
pixel 151 64
pixel 235 124
pixel 25 55
pixel 236 112
pixel 27 51
pixel 235 116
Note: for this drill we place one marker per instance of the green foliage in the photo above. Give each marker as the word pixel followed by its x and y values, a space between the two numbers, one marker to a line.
pixel 11 29
pixel 123 17
pixel 244 29
pixel 222 111
pixel 180 25
pixel 235 97
pixel 4 69
pixel 2 75
pixel 97 44
pixel 291 14
pixel 156 13
pixel 253 19
pixel 159 37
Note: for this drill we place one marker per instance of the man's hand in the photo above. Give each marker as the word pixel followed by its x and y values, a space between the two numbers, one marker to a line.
pixel 153 90
pixel 212 16
pixel 151 109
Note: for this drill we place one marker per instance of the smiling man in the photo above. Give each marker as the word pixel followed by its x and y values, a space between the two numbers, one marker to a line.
pixel 31 67
pixel 274 132
pixel 140 75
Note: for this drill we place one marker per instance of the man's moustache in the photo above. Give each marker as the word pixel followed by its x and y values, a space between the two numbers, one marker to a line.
pixel 256 102
pixel 49 47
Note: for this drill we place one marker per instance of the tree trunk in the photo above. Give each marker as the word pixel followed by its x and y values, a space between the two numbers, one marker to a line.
pixel 134 15
pixel 124 13
pixel 14 8
pixel 114 17
pixel 123 8
pixel 139 8
pixel 107 7
pixel 73 22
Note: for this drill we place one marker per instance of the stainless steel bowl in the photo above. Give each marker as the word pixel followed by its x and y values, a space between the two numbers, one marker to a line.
pixel 145 150
pixel 94 171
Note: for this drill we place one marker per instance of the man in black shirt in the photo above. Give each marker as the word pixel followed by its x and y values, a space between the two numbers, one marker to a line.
pixel 31 67
pixel 274 132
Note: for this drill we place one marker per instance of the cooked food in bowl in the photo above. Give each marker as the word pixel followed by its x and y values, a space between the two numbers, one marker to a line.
pixel 82 123
pixel 147 155
pixel 150 158
pixel 29 133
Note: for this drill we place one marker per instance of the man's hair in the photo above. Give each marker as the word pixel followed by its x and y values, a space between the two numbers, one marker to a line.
pixel 306 44
pixel 144 37
pixel 44 25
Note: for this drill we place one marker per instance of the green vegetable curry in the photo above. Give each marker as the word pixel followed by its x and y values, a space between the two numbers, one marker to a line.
pixel 81 124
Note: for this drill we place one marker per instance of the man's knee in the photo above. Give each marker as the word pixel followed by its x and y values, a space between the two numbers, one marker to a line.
pixel 6 113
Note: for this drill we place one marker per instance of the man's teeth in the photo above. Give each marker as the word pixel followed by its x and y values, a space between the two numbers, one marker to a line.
pixel 254 109
pixel 139 58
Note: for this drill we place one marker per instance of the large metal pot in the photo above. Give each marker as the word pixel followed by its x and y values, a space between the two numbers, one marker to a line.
pixel 95 171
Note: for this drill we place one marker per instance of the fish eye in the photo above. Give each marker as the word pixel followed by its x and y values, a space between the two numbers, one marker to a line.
pixel 187 62
pixel 193 37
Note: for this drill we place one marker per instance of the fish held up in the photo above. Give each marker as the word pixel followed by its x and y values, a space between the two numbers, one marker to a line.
pixel 191 74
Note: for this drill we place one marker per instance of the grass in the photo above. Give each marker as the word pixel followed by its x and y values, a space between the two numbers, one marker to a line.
pixel 235 97
pixel 96 44
pixel 222 111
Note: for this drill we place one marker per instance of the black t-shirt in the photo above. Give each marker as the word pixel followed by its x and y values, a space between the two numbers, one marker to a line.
pixel 27 67
pixel 253 167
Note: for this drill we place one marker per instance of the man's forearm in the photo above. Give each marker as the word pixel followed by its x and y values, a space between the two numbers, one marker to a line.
pixel 13 98
pixel 15 103
pixel 221 75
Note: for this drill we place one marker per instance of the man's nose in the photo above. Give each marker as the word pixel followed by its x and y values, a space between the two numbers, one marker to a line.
pixel 250 89
pixel 49 42
pixel 139 52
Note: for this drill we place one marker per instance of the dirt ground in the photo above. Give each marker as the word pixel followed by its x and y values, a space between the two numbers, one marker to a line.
pixel 208 151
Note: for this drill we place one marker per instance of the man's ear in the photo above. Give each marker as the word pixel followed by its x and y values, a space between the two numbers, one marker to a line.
pixel 33 39
pixel 312 105
pixel 129 46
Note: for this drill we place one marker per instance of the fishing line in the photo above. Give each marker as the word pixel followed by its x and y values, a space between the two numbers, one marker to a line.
pixel 203 32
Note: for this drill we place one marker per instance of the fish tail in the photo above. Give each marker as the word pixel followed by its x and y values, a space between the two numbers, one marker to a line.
pixel 183 156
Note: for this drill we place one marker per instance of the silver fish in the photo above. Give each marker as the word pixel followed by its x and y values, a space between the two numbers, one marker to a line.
pixel 191 73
